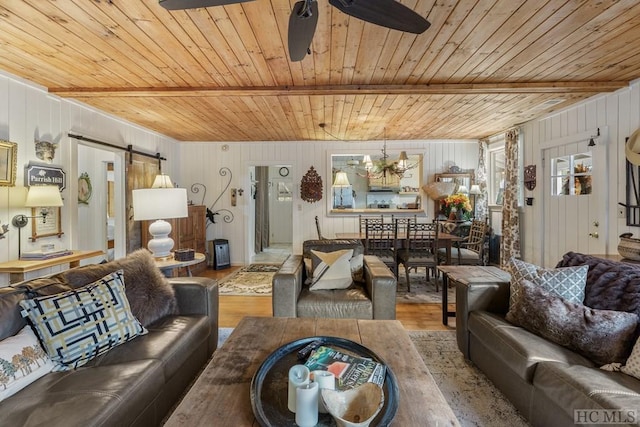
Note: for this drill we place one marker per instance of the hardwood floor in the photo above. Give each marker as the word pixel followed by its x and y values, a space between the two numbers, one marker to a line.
pixel 233 308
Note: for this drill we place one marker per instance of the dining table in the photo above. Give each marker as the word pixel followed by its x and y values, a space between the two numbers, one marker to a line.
pixel 445 240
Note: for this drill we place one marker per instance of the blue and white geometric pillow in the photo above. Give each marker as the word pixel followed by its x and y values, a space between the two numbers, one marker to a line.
pixel 567 282
pixel 78 325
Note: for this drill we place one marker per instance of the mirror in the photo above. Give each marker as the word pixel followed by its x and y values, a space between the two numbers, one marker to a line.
pixel 463 183
pixel 367 182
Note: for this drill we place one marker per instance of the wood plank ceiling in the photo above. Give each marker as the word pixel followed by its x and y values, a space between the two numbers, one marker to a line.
pixel 223 73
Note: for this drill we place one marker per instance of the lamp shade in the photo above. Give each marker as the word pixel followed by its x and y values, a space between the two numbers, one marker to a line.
pixel 341 180
pixel 475 189
pixel 159 203
pixel 162 181
pixel 43 195
pixel 463 189
pixel 403 160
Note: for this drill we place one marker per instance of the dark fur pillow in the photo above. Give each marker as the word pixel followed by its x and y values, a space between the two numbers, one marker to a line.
pixel 604 336
pixel 150 294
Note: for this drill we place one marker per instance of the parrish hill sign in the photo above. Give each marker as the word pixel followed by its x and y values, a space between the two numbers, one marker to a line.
pixel 39 174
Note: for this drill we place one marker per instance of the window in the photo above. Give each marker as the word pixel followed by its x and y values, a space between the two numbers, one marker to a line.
pixel 571 175
pixel 496 175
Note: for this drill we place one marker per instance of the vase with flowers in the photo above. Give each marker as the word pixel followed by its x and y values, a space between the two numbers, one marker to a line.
pixel 458 203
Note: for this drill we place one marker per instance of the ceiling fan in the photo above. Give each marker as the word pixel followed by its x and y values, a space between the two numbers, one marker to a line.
pixel 304 17
pixel 386 13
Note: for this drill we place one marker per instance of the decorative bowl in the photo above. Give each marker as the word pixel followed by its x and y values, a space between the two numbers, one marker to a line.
pixel 629 247
pixel 356 407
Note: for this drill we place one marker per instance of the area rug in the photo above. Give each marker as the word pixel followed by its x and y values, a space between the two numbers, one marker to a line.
pixel 474 399
pixel 422 291
pixel 254 279
pixel 472 396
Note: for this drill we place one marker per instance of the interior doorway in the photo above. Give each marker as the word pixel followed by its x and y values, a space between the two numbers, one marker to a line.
pixel 271 218
pixel 100 207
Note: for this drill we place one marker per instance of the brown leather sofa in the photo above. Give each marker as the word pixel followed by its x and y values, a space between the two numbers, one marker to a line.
pixel 375 298
pixel 545 381
pixel 134 384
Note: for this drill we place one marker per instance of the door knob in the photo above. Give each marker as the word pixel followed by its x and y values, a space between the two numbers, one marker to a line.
pixel 594 235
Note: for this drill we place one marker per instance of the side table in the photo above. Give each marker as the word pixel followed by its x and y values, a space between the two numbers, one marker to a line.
pixel 167 266
pixel 466 274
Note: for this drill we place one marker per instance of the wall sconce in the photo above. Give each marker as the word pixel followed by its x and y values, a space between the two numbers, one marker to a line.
pixel 42 196
pixel 341 182
pixel 158 204
pixel 592 143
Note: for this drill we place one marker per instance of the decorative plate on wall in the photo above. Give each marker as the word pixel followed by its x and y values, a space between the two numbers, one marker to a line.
pixel 84 188
pixel 311 186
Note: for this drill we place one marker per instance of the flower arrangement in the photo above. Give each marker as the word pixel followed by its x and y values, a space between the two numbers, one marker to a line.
pixel 458 201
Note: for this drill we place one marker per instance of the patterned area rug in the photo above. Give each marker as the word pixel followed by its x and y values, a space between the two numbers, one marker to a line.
pixel 474 399
pixel 422 291
pixel 254 279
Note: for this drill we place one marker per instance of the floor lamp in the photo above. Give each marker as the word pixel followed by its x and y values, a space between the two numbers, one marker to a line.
pixel 159 204
pixel 43 196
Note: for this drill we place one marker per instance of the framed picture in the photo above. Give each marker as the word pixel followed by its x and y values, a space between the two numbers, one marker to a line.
pixel 8 163
pixel 50 225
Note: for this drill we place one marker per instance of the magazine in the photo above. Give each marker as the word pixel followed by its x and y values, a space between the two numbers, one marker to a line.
pixel 350 371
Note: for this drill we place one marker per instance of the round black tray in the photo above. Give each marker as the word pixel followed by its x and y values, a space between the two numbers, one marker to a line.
pixel 269 385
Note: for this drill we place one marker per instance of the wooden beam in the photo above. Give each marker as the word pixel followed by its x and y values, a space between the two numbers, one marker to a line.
pixel 429 89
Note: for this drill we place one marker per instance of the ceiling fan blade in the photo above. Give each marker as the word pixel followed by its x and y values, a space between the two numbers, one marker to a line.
pixel 302 26
pixel 387 13
pixel 192 4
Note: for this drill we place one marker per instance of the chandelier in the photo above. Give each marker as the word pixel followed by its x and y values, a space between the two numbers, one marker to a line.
pixel 384 168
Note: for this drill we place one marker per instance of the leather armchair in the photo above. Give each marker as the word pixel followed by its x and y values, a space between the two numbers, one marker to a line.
pixel 375 298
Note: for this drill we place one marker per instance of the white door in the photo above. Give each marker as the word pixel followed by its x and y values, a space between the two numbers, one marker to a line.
pixel 280 210
pixel 575 200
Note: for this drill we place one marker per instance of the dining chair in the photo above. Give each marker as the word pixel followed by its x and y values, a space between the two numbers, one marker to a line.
pixel 380 240
pixel 371 218
pixel 470 249
pixel 420 250
pixel 320 236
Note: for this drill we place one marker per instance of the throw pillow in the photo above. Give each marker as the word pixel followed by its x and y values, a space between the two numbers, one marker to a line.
pixel 78 325
pixel 357 269
pixel 150 294
pixel 604 336
pixel 567 282
pixel 632 366
pixel 22 361
pixel 331 270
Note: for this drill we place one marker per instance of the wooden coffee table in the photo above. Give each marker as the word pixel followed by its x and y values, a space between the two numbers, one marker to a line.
pixel 221 394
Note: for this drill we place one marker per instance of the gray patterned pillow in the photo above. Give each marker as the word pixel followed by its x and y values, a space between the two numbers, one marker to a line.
pixel 604 336
pixel 567 282
pixel 78 325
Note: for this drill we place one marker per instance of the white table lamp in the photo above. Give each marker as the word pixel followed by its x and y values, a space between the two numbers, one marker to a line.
pixel 160 204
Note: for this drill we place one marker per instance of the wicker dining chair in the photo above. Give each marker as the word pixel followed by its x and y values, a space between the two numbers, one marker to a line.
pixel 470 250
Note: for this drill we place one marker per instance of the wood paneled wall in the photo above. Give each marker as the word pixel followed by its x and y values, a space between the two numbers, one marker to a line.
pixel 201 162
pixel 27 114
pixel 620 114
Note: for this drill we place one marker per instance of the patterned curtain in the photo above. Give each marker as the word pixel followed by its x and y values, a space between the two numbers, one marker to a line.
pixel 510 244
pixel 482 210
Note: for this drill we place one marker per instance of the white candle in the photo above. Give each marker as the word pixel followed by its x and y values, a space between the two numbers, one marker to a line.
pixel 298 376
pixel 307 405
pixel 325 379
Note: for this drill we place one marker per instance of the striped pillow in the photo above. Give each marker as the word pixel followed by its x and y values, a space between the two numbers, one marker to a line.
pixel 78 325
